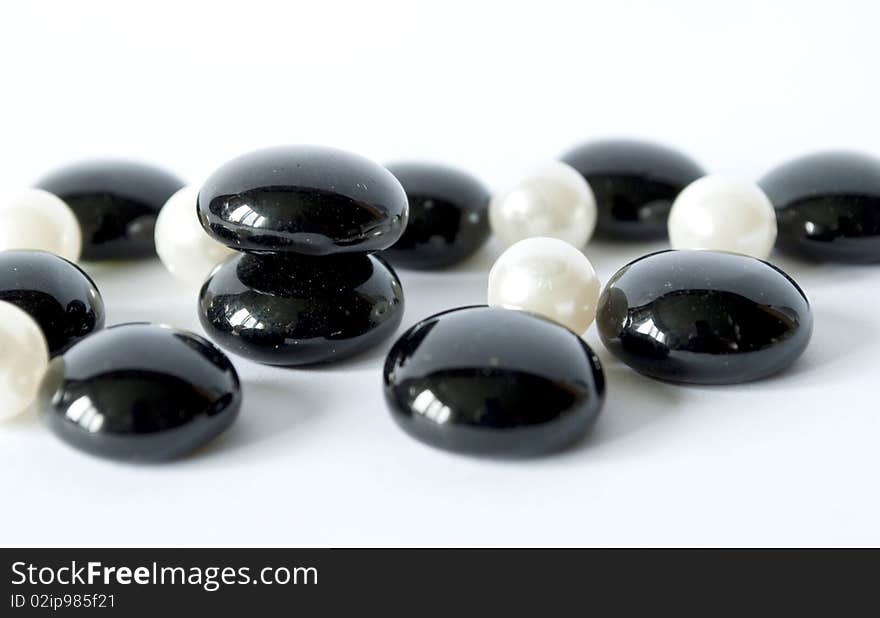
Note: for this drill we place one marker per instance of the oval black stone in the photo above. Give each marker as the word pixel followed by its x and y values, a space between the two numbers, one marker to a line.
pixel 448 216
pixel 62 299
pixel 704 317
pixel 140 392
pixel 635 184
pixel 290 309
pixel 828 206
pixel 493 382
pixel 116 203
pixel 310 200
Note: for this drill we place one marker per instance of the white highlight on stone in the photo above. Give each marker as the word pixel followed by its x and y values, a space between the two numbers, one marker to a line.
pixel 184 247
pixel 549 277
pixel 723 214
pixel 24 357
pixel 553 200
pixel 37 219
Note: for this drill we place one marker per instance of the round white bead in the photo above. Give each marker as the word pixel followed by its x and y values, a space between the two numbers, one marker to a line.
pixel 553 201
pixel 549 277
pixel 37 219
pixel 184 247
pixel 722 214
pixel 23 360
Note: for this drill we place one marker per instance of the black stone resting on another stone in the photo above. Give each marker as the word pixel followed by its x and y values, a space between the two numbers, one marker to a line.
pixel 635 184
pixel 448 216
pixel 828 206
pixel 116 204
pixel 62 299
pixel 704 317
pixel 140 392
pixel 288 309
pixel 306 289
pixel 309 200
pixel 493 382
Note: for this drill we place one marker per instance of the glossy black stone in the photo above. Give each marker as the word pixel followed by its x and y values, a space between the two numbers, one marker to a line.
pixel 140 392
pixel 116 203
pixel 62 299
pixel 310 200
pixel 290 309
pixel 448 216
pixel 704 317
pixel 828 206
pixel 635 184
pixel 493 382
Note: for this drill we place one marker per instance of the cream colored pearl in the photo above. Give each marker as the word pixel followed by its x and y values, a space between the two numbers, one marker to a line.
pixel 554 201
pixel 37 219
pixel 184 247
pixel 549 277
pixel 23 361
pixel 719 213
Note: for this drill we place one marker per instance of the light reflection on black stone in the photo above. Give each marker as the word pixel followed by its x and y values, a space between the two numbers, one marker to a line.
pixel 140 392
pixel 704 317
pixel 116 204
pixel 60 297
pixel 828 206
pixel 448 216
pixel 493 382
pixel 287 309
pixel 635 183
pixel 306 199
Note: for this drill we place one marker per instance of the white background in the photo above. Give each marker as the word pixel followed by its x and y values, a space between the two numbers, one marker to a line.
pixel 493 88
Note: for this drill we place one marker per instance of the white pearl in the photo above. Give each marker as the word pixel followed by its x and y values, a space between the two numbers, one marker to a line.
pixel 722 214
pixel 553 200
pixel 24 357
pixel 37 219
pixel 549 277
pixel 184 247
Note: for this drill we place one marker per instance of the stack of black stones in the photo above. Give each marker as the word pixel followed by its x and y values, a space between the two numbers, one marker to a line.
pixel 307 286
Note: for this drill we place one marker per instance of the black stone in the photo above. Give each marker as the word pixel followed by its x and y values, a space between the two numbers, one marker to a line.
pixel 305 199
pixel 116 203
pixel 290 309
pixel 140 392
pixel 448 216
pixel 635 184
pixel 828 206
pixel 704 317
pixel 62 299
pixel 493 382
